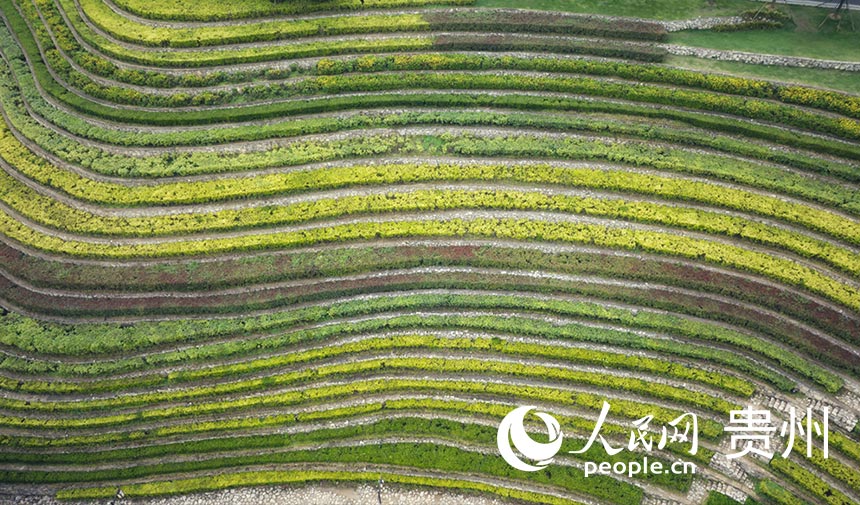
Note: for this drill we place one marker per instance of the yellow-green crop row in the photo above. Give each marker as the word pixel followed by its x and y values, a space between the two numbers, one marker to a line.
pixel 55 214
pixel 780 269
pixel 404 404
pixel 809 481
pixel 376 365
pixel 369 386
pixel 190 10
pixel 128 30
pixel 413 342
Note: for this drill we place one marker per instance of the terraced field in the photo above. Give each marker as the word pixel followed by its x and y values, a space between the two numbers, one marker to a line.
pixel 249 243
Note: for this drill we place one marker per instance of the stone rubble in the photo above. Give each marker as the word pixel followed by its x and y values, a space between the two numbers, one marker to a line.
pixel 762 59
pixel 700 23
pixel 363 494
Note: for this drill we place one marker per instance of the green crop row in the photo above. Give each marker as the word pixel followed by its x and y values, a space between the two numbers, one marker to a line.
pixel 831 466
pixel 829 353
pixel 439 429
pixel 100 338
pixel 240 348
pixel 492 20
pixel 670 135
pixel 405 455
pixel 409 366
pixel 809 481
pixel 70 47
pixel 148 440
pixel 88 189
pixel 447 100
pixel 294 477
pixel 510 325
pixel 755 109
pixel 846 445
pixel 229 56
pixel 717 498
pixel 219 430
pixel 778 494
pixel 675 159
pixel 837 102
pixel 205 278
pixel 815 347
pixel 375 82
pixel 369 386
pixel 828 100
pixel 412 342
pixel 819 217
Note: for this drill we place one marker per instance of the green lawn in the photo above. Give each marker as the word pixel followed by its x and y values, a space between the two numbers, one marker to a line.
pixel 833 79
pixel 801 39
pixel 653 9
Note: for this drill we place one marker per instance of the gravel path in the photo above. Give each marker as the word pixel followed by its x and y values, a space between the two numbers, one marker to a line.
pixel 762 59
pixel 312 494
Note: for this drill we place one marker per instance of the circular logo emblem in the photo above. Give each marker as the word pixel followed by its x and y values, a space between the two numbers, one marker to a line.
pixel 512 431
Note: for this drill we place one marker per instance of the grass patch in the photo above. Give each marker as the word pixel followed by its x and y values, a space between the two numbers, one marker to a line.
pixel 802 38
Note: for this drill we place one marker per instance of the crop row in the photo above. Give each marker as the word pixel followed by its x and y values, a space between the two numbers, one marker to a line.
pixel 696 163
pixel 375 82
pixel 412 342
pixel 359 368
pixel 83 57
pixel 441 429
pixel 61 216
pixel 407 455
pixel 375 384
pixel 809 481
pixel 242 9
pixel 598 149
pixel 205 435
pixel 777 268
pixel 831 466
pixel 778 494
pixel 586 85
pixel 29 334
pixel 226 56
pixel 451 62
pixel 828 100
pixel 397 264
pixel 846 445
pixel 128 30
pixel 815 345
pixel 519 102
